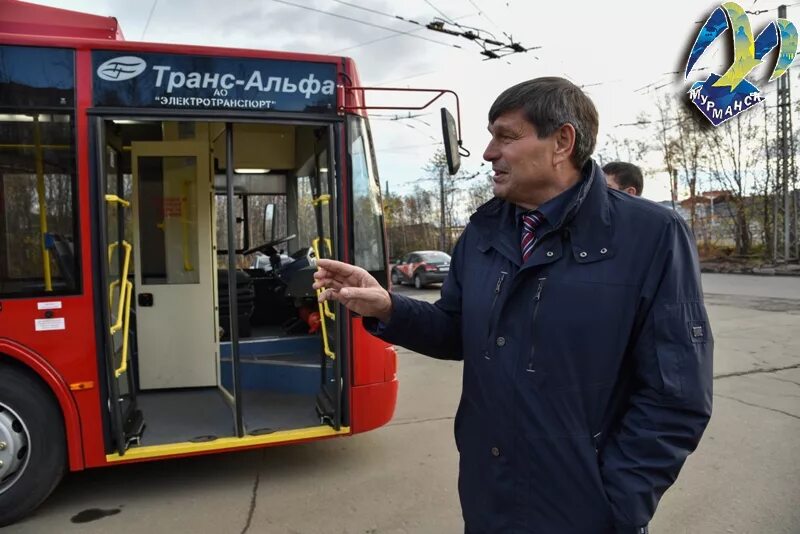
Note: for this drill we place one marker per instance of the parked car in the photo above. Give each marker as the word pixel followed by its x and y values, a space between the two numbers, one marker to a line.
pixel 421 268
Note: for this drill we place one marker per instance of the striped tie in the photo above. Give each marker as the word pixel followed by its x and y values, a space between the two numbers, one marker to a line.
pixel 530 221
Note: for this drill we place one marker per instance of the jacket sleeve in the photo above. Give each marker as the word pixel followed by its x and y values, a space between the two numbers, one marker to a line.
pixel 671 392
pixel 430 329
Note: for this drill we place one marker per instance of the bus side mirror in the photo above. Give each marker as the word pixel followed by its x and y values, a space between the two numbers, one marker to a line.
pixel 269 222
pixel 451 145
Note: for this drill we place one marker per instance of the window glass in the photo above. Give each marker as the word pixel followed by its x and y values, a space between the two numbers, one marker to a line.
pixel 255 205
pixel 367 212
pixel 306 221
pixel 38 201
pixel 314 218
pixel 37 205
pixel 255 215
pixel 435 256
pixel 36 78
pixel 167 219
pixel 119 228
pixel 222 224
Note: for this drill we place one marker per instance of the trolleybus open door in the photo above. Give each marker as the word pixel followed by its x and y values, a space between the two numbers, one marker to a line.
pixel 127 421
pixel 174 275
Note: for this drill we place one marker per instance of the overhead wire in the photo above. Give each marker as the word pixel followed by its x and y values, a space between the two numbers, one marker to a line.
pixel 407 147
pixel 373 41
pixel 452 21
pixel 359 21
pixel 387 82
pixel 474 35
pixel 420 130
pixel 483 14
pixel 419 25
pixel 446 18
pixel 382 13
pixel 376 12
pixel 395 116
pixel 757 12
pixel 149 17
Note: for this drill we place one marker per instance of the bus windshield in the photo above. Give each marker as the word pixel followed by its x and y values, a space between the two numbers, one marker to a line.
pixel 370 252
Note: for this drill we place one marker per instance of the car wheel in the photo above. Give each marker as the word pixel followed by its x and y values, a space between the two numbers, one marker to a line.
pixel 418 283
pixel 32 444
pixel 396 279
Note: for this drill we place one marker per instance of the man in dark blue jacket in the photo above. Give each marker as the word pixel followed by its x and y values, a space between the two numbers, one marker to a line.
pixel 579 315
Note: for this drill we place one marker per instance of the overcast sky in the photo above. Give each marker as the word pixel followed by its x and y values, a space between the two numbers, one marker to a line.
pixel 619 50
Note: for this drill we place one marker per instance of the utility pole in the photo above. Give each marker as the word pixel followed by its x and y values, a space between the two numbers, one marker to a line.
pixel 441 208
pixel 768 244
pixel 387 207
pixel 674 186
pixel 785 210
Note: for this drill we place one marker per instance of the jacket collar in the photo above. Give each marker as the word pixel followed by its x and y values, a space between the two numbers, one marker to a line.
pixel 586 222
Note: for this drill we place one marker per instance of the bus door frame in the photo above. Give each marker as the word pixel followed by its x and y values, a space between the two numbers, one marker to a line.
pixel 338 161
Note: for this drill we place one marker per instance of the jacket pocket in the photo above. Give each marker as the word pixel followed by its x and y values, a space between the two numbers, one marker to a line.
pixel 537 298
pixel 498 288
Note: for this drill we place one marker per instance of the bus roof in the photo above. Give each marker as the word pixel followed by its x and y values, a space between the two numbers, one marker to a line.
pixel 35 25
pixel 27 24
pixel 32 19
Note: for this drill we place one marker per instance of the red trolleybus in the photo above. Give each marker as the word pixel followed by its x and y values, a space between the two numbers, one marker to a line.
pixel 161 211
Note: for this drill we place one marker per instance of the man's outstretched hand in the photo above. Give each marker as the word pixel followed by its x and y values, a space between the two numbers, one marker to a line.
pixel 354 287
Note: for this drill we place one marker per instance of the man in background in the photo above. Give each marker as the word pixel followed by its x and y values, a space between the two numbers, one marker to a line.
pixel 625 177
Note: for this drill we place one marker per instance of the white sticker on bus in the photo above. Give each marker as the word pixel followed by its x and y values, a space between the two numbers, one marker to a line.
pixel 50 324
pixel 56 305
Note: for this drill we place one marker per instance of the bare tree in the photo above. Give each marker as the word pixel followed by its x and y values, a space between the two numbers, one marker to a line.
pixel 689 148
pixel 765 184
pixel 450 192
pixel 479 192
pixel 664 123
pixel 394 216
pixel 735 155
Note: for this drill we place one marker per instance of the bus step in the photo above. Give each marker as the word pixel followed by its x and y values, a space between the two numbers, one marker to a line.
pixel 134 428
pixel 326 408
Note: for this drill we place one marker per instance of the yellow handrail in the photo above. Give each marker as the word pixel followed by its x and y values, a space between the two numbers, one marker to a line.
pixel 124 278
pixel 125 291
pixel 23 146
pixel 322 199
pixel 115 198
pixel 315 243
pixel 40 192
pixel 111 293
pixel 123 364
pixel 111 248
pixel 324 310
pixel 187 257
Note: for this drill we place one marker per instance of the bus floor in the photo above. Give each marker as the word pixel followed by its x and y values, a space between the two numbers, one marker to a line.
pixel 203 414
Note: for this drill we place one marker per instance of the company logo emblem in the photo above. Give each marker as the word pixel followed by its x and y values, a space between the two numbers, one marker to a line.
pixel 720 98
pixel 121 68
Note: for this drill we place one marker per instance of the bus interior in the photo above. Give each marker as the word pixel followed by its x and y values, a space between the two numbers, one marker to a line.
pixel 193 358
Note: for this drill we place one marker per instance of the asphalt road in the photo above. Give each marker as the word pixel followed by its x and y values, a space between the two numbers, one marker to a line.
pixel 782 287
pixel 744 477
